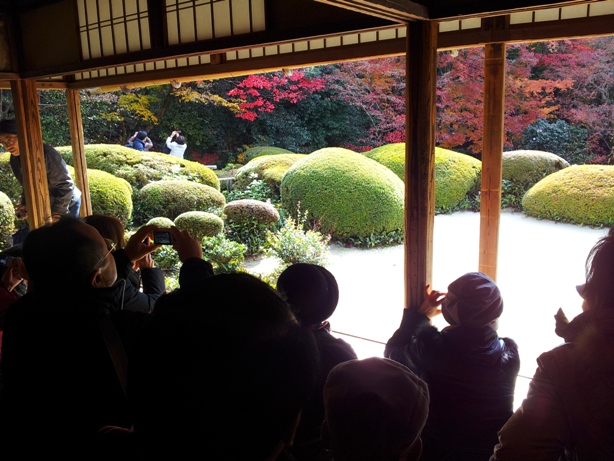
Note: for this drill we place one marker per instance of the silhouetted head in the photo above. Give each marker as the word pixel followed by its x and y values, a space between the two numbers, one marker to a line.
pixel 8 136
pixel 67 255
pixel 598 291
pixel 311 291
pixel 375 411
pixel 227 366
pixel 109 227
pixel 473 300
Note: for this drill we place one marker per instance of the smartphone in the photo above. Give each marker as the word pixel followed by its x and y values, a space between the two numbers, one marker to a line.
pixel 7 260
pixel 163 237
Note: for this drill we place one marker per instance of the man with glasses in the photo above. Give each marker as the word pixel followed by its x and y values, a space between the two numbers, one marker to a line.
pixel 64 196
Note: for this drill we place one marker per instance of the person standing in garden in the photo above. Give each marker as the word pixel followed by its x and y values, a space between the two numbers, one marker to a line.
pixel 140 141
pixel 64 196
pixel 176 144
pixel 471 372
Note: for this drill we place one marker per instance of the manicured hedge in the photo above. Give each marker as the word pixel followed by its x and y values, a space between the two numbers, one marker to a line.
pixel 200 224
pixel 391 156
pixel 110 196
pixel 270 168
pixel 345 193
pixel 582 194
pixel 247 210
pixel 141 168
pixel 258 151
pixel 524 168
pixel 169 199
pixel 8 183
pixel 7 220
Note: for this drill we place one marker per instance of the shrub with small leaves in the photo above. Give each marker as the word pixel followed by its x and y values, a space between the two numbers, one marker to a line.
pixel 166 258
pixel 247 222
pixel 7 219
pixel 161 222
pixel 200 224
pixel 255 190
pixel 291 244
pixel 224 254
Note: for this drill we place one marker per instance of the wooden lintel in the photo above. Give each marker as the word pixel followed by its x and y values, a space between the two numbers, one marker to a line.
pixel 492 155
pixel 421 91
pixel 32 157
pixel 75 123
pixel 387 9
pixel 236 68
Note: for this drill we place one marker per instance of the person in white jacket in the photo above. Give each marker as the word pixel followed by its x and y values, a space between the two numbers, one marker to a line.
pixel 176 143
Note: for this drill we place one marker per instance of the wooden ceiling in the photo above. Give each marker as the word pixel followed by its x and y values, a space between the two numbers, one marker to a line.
pixel 108 43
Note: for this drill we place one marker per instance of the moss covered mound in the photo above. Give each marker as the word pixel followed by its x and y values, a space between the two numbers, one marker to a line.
pixel 141 168
pixel 161 222
pixel 8 183
pixel 347 194
pixel 524 168
pixel 582 194
pixel 248 210
pixel 391 156
pixel 110 196
pixel 200 224
pixel 7 220
pixel 169 199
pixel 269 168
pixel 253 152
pixel 456 175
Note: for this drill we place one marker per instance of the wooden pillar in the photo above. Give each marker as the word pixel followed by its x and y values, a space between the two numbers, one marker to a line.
pixel 78 150
pixel 421 75
pixel 492 155
pixel 34 173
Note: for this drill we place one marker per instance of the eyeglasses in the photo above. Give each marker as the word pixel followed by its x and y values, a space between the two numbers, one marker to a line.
pixel 111 247
pixel 8 142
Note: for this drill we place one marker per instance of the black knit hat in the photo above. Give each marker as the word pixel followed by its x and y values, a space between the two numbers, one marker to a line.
pixel 8 126
pixel 473 300
pixel 141 135
pixel 310 290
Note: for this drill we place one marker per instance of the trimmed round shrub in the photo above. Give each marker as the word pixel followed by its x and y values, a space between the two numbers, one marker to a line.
pixel 8 183
pixel 582 194
pixel 525 168
pixel 269 168
pixel 391 156
pixel 251 210
pixel 141 168
pixel 172 198
pixel 200 224
pixel 7 220
pixel 345 193
pixel 253 152
pixel 456 176
pixel 110 195
pixel 161 222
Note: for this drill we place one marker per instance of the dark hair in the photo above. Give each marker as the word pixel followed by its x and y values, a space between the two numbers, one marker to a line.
pixel 60 255
pixel 109 227
pixel 599 289
pixel 230 362
pixel 180 140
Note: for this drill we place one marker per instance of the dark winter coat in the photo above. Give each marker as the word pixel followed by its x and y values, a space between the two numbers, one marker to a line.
pixel 471 374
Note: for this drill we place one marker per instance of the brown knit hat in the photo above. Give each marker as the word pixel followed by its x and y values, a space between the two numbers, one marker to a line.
pixel 375 409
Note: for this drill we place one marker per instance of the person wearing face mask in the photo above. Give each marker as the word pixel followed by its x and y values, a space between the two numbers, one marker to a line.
pixel 471 371
pixel 64 196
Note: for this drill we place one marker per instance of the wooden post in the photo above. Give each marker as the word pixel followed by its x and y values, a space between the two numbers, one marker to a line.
pixel 34 172
pixel 78 150
pixel 421 75
pixel 492 155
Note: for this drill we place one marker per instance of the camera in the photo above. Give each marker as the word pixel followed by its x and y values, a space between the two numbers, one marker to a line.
pixel 163 237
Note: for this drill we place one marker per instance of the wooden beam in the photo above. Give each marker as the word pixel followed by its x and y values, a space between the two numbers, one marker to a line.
pixel 421 86
pixel 78 150
pixel 34 172
pixel 492 155
pixel 395 10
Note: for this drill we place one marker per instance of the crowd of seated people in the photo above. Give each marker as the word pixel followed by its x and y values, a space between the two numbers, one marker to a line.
pixel 226 367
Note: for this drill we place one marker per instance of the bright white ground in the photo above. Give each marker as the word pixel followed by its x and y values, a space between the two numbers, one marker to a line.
pixel 540 263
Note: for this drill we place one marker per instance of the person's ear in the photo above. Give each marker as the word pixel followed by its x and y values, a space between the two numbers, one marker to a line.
pixel 96 279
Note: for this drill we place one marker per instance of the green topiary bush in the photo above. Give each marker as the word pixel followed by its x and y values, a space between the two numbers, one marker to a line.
pixel 200 224
pixel 172 198
pixel 141 168
pixel 269 168
pixel 346 194
pixel 161 222
pixel 247 222
pixel 524 168
pixel 391 156
pixel 110 195
pixel 253 152
pixel 8 183
pixel 456 176
pixel 7 220
pixel 581 194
